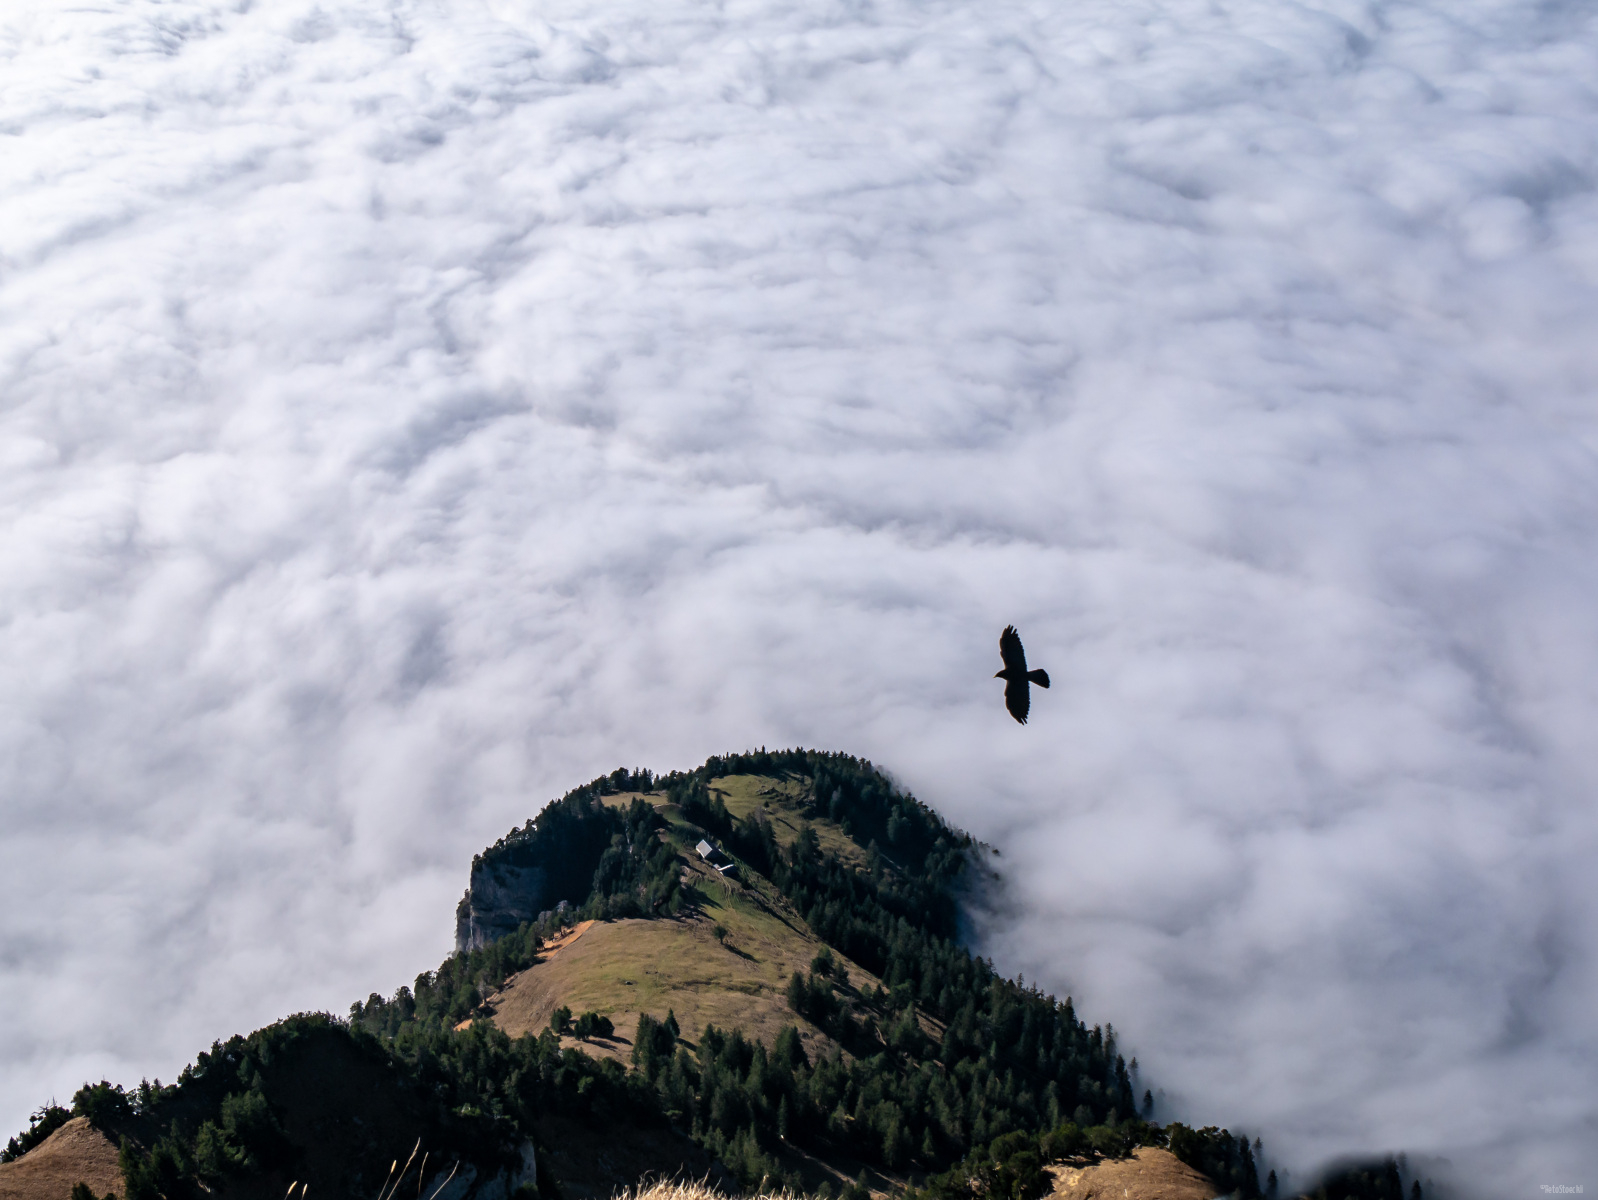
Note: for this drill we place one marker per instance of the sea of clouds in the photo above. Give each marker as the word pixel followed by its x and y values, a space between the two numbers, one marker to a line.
pixel 411 410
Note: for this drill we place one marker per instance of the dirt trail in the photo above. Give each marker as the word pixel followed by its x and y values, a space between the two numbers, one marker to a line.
pixel 555 945
pixel 546 952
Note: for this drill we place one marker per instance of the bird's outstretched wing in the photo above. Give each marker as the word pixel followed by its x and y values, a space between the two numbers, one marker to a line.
pixel 1017 698
pixel 1014 660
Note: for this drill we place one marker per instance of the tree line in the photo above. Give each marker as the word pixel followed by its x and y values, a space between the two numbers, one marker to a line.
pixel 1009 1059
pixel 951 1072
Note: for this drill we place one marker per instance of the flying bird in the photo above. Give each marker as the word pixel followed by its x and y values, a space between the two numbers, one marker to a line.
pixel 1017 695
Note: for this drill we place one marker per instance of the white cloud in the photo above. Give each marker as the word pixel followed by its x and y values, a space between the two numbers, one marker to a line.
pixel 412 410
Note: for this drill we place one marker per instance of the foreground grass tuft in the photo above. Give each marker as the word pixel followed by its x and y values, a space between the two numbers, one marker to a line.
pixel 696 1189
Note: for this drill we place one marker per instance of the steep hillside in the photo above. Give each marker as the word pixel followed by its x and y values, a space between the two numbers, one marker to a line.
pixel 74 1153
pixel 752 968
pixel 726 958
pixel 309 1101
pixel 828 1021
pixel 624 969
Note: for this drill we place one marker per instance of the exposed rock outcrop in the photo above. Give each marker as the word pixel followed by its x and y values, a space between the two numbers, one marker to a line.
pixel 502 894
pixel 465 1185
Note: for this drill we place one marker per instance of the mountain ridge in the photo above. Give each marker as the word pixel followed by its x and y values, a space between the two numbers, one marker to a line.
pixel 834 1035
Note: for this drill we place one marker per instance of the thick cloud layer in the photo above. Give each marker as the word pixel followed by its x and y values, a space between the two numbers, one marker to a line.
pixel 411 410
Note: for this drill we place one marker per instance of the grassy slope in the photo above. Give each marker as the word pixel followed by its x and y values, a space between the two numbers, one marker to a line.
pixel 1150 1174
pixel 783 802
pixel 74 1153
pixel 624 968
pixel 465 1096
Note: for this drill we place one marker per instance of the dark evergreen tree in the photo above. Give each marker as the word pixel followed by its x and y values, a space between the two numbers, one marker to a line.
pixel 41 1125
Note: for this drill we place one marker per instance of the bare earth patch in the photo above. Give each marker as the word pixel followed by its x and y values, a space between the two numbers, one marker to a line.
pixel 1150 1174
pixel 75 1153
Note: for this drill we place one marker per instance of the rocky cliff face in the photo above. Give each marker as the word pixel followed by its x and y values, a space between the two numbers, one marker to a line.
pixel 465 1185
pixel 502 894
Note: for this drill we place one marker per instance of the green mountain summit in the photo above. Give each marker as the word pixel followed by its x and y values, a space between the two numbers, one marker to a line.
pixel 750 971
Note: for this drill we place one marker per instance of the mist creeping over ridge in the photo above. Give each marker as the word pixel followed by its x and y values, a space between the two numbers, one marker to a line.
pixel 409 411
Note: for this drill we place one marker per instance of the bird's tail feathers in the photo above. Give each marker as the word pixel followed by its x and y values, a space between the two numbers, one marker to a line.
pixel 1039 677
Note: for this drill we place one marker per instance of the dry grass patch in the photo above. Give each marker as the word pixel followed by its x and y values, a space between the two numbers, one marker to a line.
pixel 701 1189
pixel 623 799
pixel 1150 1174
pixel 623 968
pixel 75 1153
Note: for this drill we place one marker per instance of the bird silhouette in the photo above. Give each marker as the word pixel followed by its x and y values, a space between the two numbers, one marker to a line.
pixel 1017 695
